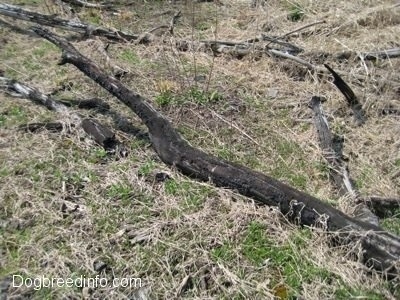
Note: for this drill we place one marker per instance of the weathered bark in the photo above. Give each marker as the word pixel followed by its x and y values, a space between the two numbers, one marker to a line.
pixel 373 55
pixel 81 3
pixel 332 147
pixel 93 103
pixel 54 21
pixel 101 134
pixel 382 207
pixel 352 101
pixel 37 127
pixel 381 250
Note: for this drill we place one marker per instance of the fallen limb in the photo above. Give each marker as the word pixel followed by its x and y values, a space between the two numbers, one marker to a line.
pixel 373 55
pixel 54 21
pixel 36 127
pixel 381 250
pixel 332 147
pixel 101 134
pixel 81 3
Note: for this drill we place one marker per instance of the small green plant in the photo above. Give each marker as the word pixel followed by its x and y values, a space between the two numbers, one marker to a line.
pixel 225 152
pixel 165 98
pixel 364 178
pixel 120 191
pixel 296 13
pixel 202 26
pixel 13 115
pixel 147 168
pixel 2 120
pixel 193 95
pixel 392 224
pixel 130 56
pixel 397 162
pixel 225 252
pixel 199 96
pixel 347 292
pixel 98 154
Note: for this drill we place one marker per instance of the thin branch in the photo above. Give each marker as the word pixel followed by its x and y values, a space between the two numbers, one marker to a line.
pixel 303 27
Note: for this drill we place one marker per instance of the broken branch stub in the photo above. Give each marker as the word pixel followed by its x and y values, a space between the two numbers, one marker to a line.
pixel 381 250
pixel 352 100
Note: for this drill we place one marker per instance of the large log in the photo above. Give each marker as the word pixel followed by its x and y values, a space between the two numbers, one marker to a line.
pixel 381 250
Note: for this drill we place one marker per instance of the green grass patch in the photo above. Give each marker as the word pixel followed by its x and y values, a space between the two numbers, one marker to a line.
pixel 129 56
pixel 193 95
pixel 296 12
pixel 165 98
pixel 288 261
pixel 12 116
pixel 191 193
pixel 43 48
pixel 392 224
pixel 225 252
pixel 121 191
pixel 397 162
pixel 97 155
pixel 147 168
pixel 346 292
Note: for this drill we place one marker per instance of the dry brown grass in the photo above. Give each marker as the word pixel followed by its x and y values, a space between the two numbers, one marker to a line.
pixel 186 239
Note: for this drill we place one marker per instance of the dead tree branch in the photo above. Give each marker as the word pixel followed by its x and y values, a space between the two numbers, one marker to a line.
pixel 100 133
pixel 381 250
pixel 332 151
pixel 373 55
pixel 81 3
pixel 54 21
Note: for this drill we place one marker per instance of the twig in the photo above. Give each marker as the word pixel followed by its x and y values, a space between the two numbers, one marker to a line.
pixel 174 20
pixel 294 58
pixel 302 28
pixel 235 126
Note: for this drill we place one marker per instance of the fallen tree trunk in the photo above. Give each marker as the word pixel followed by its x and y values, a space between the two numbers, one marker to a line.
pixel 381 250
